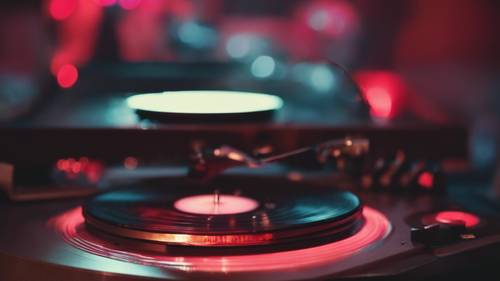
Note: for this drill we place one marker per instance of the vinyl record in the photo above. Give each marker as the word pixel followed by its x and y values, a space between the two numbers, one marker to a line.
pixel 262 214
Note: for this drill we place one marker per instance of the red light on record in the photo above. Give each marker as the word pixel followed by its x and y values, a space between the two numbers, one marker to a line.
pixel 67 76
pixel 375 229
pixel 470 220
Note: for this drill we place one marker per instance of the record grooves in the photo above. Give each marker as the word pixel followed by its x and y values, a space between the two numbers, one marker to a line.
pixel 285 213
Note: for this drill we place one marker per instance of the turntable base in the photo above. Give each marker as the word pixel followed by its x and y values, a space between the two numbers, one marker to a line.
pixel 376 228
pixel 35 249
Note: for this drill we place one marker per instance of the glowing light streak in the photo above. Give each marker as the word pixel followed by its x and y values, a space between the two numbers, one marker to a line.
pixel 376 228
pixel 470 220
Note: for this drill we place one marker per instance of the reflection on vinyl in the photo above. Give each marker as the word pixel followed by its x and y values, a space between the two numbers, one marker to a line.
pixel 229 217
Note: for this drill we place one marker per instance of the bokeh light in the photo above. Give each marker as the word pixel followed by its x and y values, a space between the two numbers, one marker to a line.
pixel 384 91
pixel 238 46
pixel 129 4
pixel 322 78
pixel 73 168
pixel 106 3
pixel 380 101
pixel 333 18
pixel 263 67
pixel 130 163
pixel 67 76
pixel 62 9
pixel 426 180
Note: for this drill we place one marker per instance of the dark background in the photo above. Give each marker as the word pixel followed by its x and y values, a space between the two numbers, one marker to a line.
pixel 431 61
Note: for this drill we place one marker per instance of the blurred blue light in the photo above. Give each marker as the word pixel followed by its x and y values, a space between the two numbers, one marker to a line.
pixel 263 67
pixel 238 46
pixel 322 78
pixel 197 35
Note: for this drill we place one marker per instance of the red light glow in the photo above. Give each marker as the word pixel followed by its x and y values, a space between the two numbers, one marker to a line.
pixel 334 18
pixel 383 91
pixel 67 76
pixel 91 170
pixel 58 60
pixel 380 101
pixel 376 228
pixel 63 165
pixel 470 220
pixel 426 180
pixel 130 163
pixel 94 171
pixel 106 3
pixel 62 9
pixel 129 4
pixel 76 167
pixel 76 37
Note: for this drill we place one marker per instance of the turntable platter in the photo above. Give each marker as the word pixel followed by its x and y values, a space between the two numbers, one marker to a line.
pixel 83 255
pixel 308 260
pixel 205 106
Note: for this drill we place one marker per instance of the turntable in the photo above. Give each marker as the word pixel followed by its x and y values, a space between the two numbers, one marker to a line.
pixel 310 212
pixel 222 140
pixel 233 185
pixel 225 185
